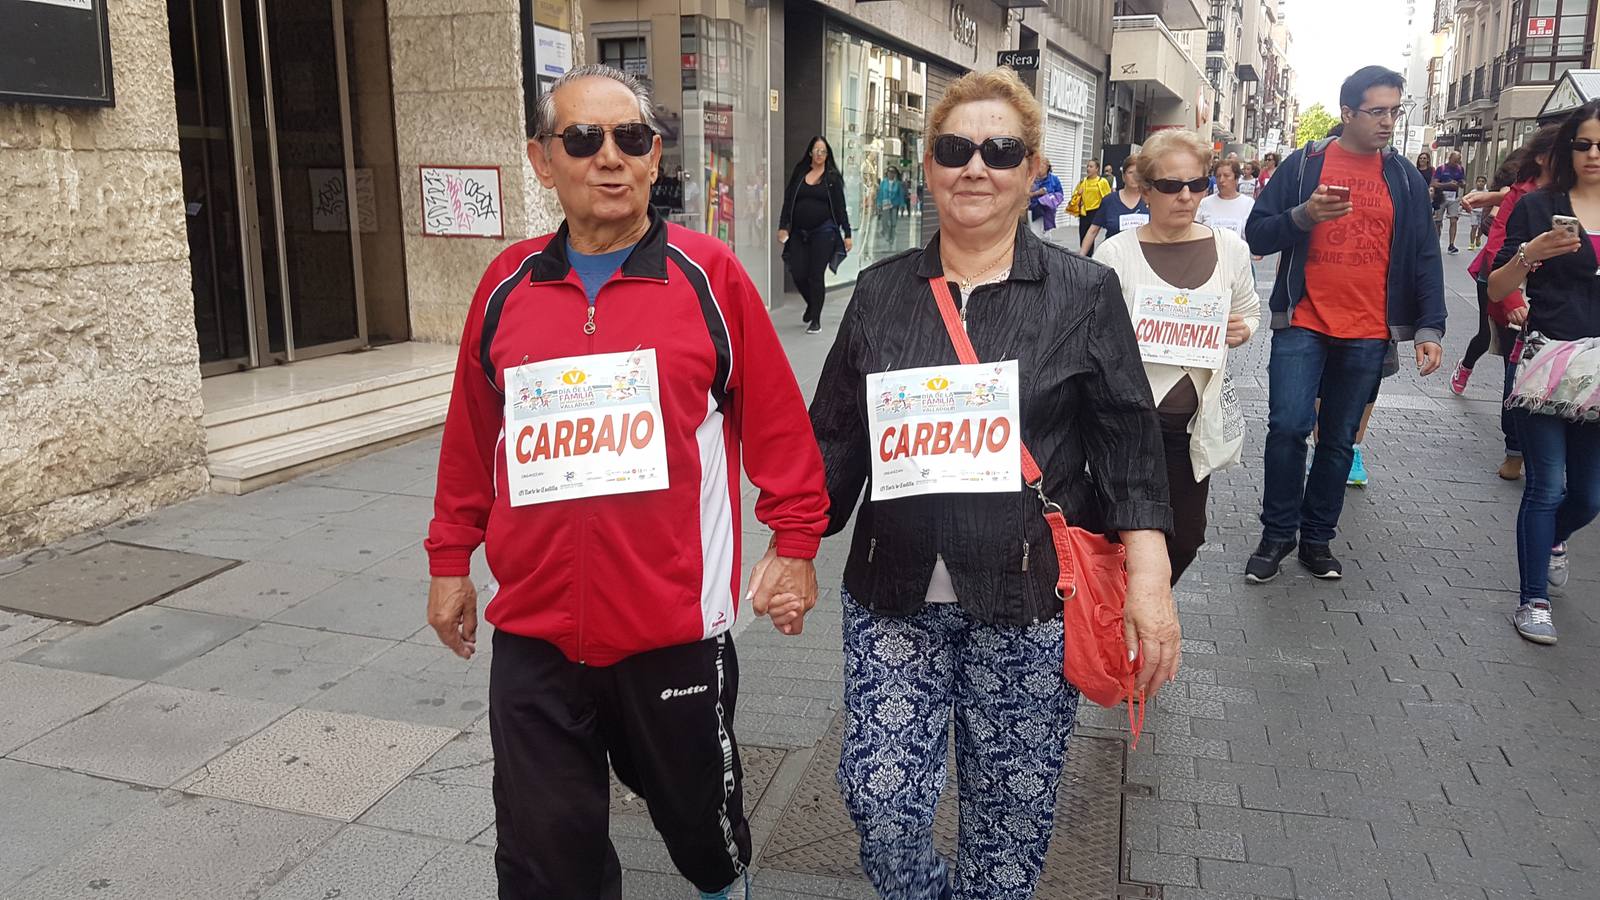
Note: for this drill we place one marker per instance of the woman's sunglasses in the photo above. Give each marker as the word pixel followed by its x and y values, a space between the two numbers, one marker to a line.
pixel 1581 145
pixel 582 141
pixel 1174 186
pixel 954 151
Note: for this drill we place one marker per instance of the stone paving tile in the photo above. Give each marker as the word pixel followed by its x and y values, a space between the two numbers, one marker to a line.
pixel 254 590
pixel 79 808
pixel 141 644
pixel 326 764
pixel 390 608
pixel 182 847
pixel 280 663
pixel 362 863
pixel 152 735
pixel 409 682
pixel 450 796
pixel 343 548
pixel 35 701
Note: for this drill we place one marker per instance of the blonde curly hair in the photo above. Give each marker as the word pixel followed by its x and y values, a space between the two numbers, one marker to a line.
pixel 993 84
pixel 1167 142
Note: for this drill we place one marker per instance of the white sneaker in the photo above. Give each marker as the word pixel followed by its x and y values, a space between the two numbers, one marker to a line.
pixel 1558 566
pixel 739 890
pixel 1534 623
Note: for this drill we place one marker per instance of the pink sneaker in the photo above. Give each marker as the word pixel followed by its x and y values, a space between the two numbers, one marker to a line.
pixel 1458 381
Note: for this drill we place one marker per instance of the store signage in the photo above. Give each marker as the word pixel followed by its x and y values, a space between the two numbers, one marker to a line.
pixel 1445 140
pixel 1470 135
pixel 1021 60
pixel 639 68
pixel 1066 95
pixel 462 201
pixel 55 52
pixel 552 51
pixel 962 26
pixel 719 121
pixel 555 14
pixel 1541 26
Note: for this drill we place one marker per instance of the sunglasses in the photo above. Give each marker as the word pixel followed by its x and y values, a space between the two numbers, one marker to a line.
pixel 1175 186
pixel 581 141
pixel 954 151
pixel 1583 145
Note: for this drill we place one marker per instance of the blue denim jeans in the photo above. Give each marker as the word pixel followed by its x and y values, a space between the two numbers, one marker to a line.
pixel 1508 419
pixel 1345 372
pixel 1560 496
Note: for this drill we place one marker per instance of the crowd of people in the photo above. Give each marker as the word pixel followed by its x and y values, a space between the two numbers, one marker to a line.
pixel 1017 430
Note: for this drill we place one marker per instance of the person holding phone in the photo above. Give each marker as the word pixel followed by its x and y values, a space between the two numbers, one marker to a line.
pixel 1553 242
pixel 1361 271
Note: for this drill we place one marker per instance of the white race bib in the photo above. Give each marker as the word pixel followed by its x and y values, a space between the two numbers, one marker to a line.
pixel 1130 221
pixel 1450 196
pixel 584 426
pixel 1180 328
pixel 1233 225
pixel 945 430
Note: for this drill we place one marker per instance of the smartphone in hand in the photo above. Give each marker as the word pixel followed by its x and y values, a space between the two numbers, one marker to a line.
pixel 1338 192
pixel 1569 224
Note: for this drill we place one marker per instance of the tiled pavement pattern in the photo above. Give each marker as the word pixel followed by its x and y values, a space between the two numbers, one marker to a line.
pixel 289 730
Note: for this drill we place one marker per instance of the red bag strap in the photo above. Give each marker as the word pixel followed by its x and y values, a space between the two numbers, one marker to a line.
pixel 1066 581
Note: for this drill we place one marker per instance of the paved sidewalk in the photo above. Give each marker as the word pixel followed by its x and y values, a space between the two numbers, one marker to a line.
pixel 291 729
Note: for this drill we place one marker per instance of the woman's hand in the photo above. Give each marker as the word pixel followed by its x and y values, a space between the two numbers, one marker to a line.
pixel 783 235
pixel 1482 199
pixel 1238 331
pixel 1150 619
pixel 1551 244
pixel 849 245
pixel 1518 316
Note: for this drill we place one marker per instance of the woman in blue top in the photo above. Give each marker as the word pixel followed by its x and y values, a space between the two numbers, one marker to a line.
pixel 1043 200
pixel 1123 210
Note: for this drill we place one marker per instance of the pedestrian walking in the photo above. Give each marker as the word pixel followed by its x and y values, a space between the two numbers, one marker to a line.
pixel 951 601
pixel 1249 179
pixel 1500 324
pixel 1229 208
pixel 1361 269
pixel 1173 257
pixel 1550 244
pixel 1269 165
pixel 1123 209
pixel 1480 218
pixel 1450 180
pixel 1087 196
pixel 1043 200
pixel 593 448
pixel 815 215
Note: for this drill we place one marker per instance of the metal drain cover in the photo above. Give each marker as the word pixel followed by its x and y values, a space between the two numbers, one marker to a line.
pixel 104 581
pixel 816 836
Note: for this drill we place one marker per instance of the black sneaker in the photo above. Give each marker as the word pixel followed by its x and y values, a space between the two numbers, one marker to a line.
pixel 813 328
pixel 1267 561
pixel 1319 559
pixel 1453 249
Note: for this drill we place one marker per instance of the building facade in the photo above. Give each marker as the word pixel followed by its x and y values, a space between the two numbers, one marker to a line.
pixel 1156 80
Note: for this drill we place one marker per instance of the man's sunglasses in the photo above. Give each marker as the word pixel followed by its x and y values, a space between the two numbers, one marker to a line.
pixel 954 151
pixel 581 141
pixel 1582 145
pixel 1175 186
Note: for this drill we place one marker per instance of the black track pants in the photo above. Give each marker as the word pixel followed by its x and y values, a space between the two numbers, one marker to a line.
pixel 664 719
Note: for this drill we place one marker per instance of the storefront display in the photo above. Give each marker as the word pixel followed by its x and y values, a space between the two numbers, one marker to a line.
pixel 875 103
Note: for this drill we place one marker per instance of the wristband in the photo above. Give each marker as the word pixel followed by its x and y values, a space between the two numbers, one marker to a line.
pixel 1532 265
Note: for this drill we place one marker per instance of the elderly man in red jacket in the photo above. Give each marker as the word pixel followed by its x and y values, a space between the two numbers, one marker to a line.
pixel 611 376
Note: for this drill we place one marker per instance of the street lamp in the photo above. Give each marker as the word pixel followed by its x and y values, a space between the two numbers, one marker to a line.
pixel 1406 106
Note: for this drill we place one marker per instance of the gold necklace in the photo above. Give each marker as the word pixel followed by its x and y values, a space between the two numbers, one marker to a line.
pixel 966 282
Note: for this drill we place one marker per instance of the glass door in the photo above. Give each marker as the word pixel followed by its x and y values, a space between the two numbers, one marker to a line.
pixel 264 137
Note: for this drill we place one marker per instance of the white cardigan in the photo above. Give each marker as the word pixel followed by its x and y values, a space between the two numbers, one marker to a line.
pixel 1233 278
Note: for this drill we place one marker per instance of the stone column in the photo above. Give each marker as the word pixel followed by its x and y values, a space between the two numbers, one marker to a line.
pixel 458 101
pixel 99 367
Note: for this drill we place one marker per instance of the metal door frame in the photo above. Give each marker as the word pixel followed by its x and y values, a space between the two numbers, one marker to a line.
pixel 245 173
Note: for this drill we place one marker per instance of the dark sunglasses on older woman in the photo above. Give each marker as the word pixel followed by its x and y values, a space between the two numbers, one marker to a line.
pixel 954 151
pixel 581 141
pixel 1175 186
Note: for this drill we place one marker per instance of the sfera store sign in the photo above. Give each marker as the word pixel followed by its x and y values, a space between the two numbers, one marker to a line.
pixel 963 27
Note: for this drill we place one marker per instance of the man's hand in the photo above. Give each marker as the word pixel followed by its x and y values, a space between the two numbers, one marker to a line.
pixel 785 588
pixel 849 245
pixel 1324 208
pixel 783 235
pixel 1238 331
pixel 453 613
pixel 1429 355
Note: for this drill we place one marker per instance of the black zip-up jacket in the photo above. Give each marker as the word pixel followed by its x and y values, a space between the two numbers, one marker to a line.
pixel 1563 294
pixel 836 205
pixel 1085 408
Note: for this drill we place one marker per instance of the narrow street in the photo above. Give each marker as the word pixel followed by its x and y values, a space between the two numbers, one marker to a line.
pixel 290 729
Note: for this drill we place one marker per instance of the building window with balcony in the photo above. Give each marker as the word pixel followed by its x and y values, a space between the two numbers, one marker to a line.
pixel 1555 33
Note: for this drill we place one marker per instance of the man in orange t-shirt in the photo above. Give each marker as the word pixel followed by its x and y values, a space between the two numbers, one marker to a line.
pixel 1360 270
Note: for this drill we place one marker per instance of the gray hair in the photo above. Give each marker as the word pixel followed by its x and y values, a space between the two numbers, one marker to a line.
pixel 545 112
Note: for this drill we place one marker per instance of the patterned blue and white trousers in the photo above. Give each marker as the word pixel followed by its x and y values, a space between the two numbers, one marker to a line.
pixel 904 677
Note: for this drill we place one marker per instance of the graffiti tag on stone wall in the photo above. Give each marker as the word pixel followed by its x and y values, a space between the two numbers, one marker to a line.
pixel 462 202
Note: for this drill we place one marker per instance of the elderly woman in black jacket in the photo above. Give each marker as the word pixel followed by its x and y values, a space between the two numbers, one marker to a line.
pixel 949 592
pixel 814 225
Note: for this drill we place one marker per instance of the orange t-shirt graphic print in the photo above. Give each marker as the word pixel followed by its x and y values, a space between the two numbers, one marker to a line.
pixel 1347 267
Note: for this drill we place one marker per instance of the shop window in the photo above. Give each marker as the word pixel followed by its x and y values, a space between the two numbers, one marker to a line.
pixel 628 54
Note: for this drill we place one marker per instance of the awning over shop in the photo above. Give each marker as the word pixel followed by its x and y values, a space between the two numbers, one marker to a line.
pixel 1576 87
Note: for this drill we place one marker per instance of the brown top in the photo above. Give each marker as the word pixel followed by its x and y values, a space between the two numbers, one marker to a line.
pixel 1185 265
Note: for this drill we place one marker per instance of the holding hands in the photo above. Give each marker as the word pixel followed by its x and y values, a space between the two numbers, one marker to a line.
pixel 783 588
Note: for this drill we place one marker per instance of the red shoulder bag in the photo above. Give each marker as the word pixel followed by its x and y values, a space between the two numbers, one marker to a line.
pixel 1093 580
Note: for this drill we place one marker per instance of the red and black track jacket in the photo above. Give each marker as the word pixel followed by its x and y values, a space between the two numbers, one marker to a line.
pixel 603 578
